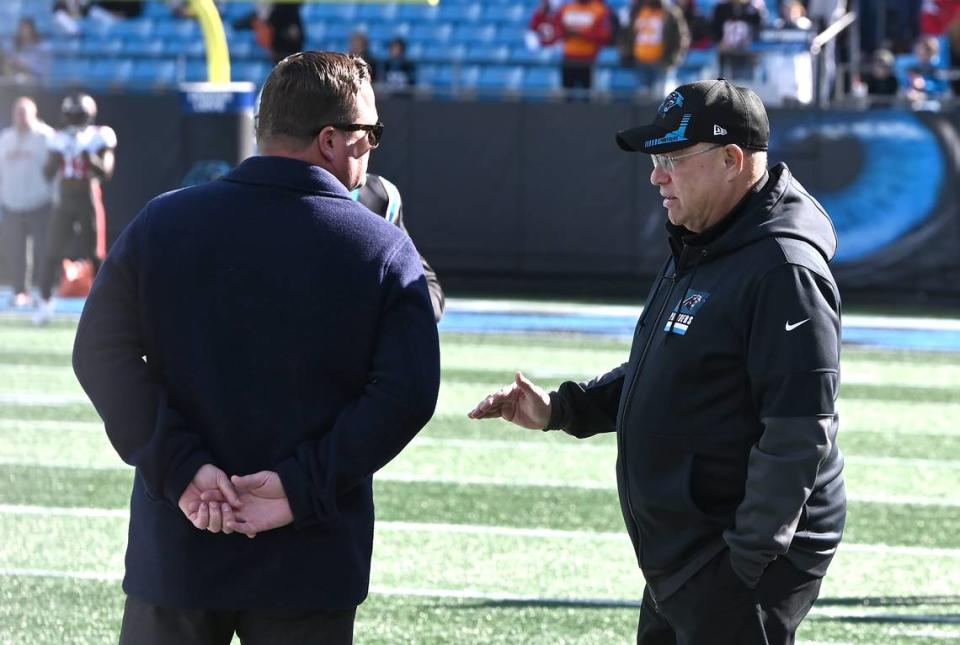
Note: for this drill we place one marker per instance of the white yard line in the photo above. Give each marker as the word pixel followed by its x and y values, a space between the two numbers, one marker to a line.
pixel 532 599
pixel 473 529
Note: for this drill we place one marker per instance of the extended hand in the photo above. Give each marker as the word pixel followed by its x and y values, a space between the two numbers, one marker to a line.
pixel 522 403
pixel 209 512
pixel 264 504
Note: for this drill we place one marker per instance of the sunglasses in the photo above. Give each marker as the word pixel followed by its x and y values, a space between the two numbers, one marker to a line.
pixel 374 132
pixel 669 163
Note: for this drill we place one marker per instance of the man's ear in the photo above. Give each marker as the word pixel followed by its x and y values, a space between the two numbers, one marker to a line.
pixel 325 144
pixel 734 159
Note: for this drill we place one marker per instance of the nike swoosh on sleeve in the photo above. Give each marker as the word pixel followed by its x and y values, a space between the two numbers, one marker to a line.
pixel 791 326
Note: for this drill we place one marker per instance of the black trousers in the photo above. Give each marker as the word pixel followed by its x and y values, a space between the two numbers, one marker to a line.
pixel 147 624
pixel 576 75
pixel 715 607
pixel 73 234
pixel 18 226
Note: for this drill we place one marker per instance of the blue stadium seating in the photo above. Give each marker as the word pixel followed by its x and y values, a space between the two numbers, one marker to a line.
pixel 477 44
pixel 541 79
pixel 469 34
pixel 500 77
pixel 484 53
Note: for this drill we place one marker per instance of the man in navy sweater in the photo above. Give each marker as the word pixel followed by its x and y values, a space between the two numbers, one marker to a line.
pixel 258 347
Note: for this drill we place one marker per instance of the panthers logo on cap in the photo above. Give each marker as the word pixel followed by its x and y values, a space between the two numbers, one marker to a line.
pixel 675 99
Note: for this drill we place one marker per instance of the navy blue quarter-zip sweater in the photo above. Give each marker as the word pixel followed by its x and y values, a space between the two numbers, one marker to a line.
pixel 725 411
pixel 264 321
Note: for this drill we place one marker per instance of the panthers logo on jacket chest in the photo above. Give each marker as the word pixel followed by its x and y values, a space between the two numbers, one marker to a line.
pixel 685 312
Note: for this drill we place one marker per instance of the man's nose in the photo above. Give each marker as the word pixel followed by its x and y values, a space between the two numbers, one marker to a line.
pixel 659 176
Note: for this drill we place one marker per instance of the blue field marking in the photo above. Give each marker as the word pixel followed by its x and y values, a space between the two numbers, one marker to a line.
pixel 505 317
pixel 618 326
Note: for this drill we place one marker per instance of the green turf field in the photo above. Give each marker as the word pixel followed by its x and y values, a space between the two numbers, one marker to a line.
pixel 487 533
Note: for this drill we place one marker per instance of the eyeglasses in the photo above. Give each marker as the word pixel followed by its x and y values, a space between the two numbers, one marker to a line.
pixel 669 163
pixel 374 132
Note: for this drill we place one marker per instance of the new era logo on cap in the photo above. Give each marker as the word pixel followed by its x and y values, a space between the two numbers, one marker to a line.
pixel 693 113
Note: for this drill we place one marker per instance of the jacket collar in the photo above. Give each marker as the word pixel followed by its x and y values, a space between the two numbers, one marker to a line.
pixel 284 172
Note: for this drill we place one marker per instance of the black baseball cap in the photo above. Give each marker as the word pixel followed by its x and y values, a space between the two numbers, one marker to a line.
pixel 702 112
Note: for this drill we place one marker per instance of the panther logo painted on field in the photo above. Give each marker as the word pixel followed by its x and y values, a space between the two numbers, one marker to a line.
pixel 675 99
pixel 691 302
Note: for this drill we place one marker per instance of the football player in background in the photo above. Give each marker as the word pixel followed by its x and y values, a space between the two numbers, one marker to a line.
pixel 81 158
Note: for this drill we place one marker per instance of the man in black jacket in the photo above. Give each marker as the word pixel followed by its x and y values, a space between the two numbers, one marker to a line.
pixel 381 196
pixel 268 327
pixel 729 473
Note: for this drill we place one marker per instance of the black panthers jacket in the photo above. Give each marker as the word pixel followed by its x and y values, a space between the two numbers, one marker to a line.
pixel 725 411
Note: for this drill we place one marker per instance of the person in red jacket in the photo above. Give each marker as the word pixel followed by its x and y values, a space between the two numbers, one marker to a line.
pixel 585 27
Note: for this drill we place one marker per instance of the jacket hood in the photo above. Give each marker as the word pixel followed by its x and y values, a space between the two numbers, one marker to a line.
pixel 781 208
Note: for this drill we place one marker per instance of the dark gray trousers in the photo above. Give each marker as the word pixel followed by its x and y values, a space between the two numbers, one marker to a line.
pixel 18 227
pixel 715 607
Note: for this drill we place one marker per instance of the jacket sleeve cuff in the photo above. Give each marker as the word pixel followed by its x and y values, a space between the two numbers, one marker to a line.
pixel 558 413
pixel 749 571
pixel 181 474
pixel 297 486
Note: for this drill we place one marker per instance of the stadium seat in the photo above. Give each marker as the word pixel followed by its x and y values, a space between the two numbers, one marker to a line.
pixel 110 71
pixel 418 13
pixel 623 80
pixel 183 30
pixel 65 47
pixel 483 53
pixel 452 12
pixel 437 76
pixel 466 77
pixel 254 72
pixel 70 71
pixel 156 9
pixel 132 28
pixel 608 56
pixel 152 73
pixel 143 47
pixel 437 52
pixel 541 79
pixel 96 46
pixel 468 34
pixel 511 34
pixel 430 33
pixel 376 12
pixel 500 77
pixel 333 11
pixel 508 14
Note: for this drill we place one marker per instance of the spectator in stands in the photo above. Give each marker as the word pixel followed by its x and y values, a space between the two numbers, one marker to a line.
pixel 543 29
pixel 793 15
pixel 926 81
pixel 68 13
pixel 698 26
pixel 399 74
pixel 277 28
pixel 359 45
pixel 121 9
pixel 880 81
pixel 30 56
pixel 940 17
pixel 823 13
pixel 654 39
pixel 585 27
pixel 25 194
pixel 736 24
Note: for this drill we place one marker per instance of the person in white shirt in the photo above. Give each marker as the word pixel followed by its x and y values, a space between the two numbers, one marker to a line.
pixel 25 194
